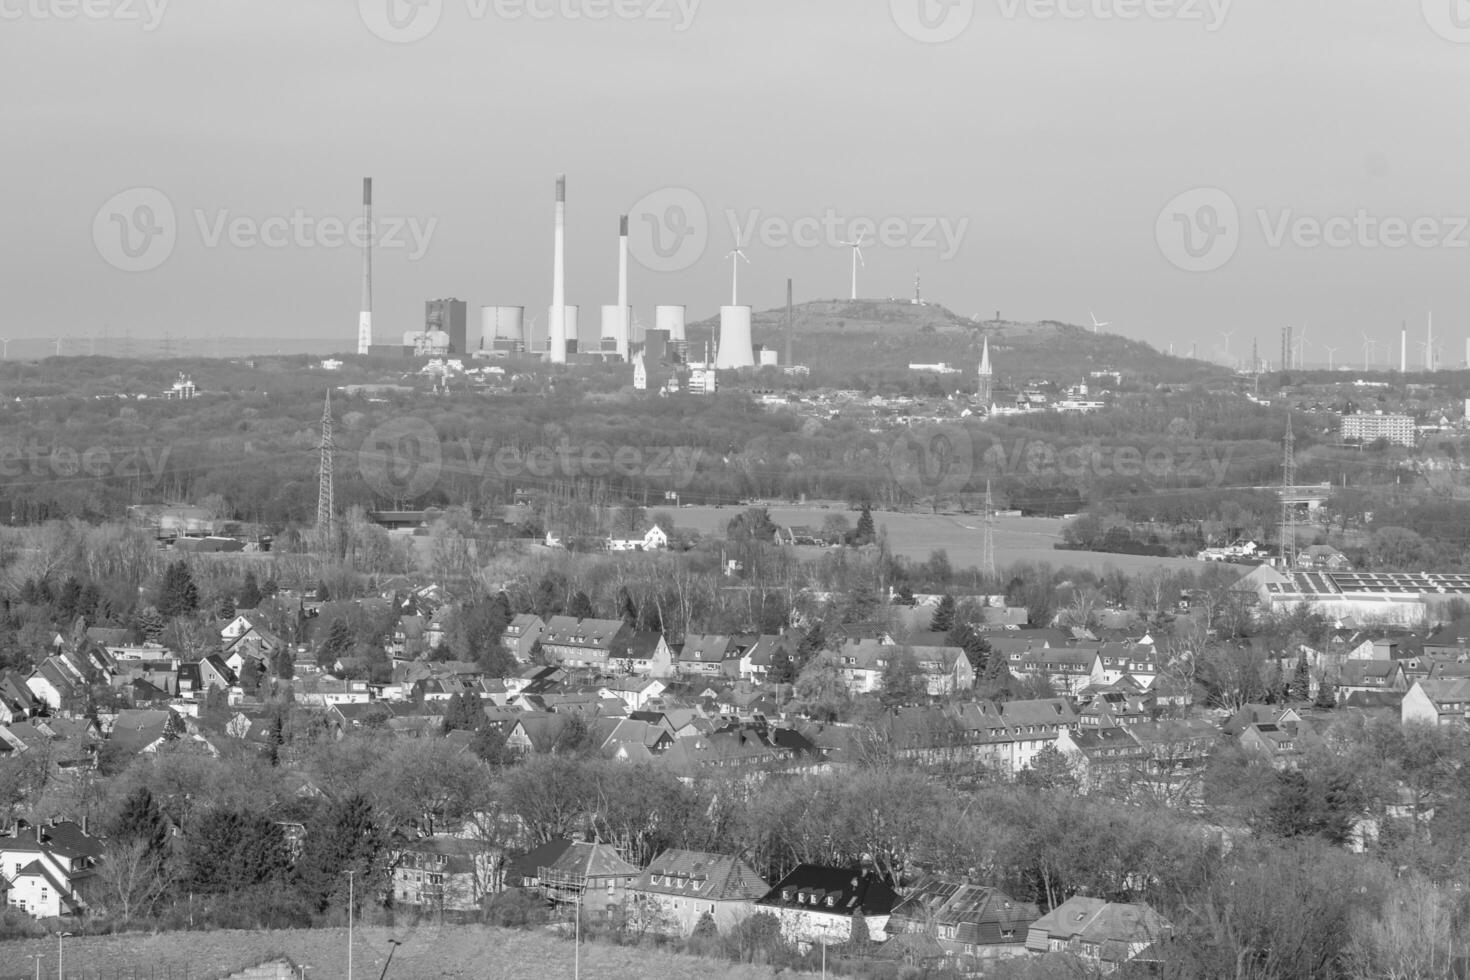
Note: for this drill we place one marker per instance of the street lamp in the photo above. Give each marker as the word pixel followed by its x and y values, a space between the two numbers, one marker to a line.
pixel 38 957
pixel 393 945
pixel 349 923
pixel 60 975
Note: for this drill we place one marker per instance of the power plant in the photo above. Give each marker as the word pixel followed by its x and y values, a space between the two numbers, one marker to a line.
pixel 735 349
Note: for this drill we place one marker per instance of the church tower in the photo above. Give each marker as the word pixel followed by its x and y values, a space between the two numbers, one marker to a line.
pixel 985 392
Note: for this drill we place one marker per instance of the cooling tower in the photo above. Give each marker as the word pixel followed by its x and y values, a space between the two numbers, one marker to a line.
pixel 365 318
pixel 503 328
pixel 670 318
pixel 557 327
pixel 736 349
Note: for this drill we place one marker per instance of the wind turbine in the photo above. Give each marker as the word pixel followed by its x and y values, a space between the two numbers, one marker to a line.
pixel 1330 351
pixel 735 257
pixel 1227 334
pixel 857 256
pixel 6 344
pixel 1095 324
pixel 1301 349
pixel 1370 346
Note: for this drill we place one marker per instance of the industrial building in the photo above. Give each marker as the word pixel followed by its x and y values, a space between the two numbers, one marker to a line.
pixel 1397 429
pixel 1399 598
pixel 450 317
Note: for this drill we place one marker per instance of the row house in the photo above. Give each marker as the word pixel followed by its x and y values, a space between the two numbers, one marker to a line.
pixel 1004 736
pixel 17 700
pixel 862 663
pixel 1371 677
pixel 586 644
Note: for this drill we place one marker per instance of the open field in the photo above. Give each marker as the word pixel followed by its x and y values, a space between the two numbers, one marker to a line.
pixel 430 953
pixel 917 536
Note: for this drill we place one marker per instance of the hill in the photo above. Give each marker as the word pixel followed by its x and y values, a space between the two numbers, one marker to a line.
pixel 844 339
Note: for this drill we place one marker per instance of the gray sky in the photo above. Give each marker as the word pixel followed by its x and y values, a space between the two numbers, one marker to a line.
pixel 1047 143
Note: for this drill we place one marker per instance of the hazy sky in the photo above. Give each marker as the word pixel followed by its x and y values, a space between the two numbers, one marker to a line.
pixel 1023 166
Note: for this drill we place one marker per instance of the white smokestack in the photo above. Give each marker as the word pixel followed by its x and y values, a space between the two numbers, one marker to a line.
pixel 365 318
pixel 1403 350
pixel 557 326
pixel 625 319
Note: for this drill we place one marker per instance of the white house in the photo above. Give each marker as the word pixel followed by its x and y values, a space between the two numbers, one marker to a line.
pixel 45 865
pixel 681 886
pixel 654 539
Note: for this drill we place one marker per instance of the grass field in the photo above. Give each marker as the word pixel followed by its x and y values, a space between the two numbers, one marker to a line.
pixel 917 536
pixel 430 953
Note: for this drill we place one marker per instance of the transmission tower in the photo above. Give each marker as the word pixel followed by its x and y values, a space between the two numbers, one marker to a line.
pixel 1288 481
pixel 987 557
pixel 325 499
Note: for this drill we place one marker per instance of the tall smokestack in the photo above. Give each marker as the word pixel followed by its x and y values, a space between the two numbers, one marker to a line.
pixel 365 318
pixel 790 324
pixel 1403 349
pixel 556 351
pixel 625 321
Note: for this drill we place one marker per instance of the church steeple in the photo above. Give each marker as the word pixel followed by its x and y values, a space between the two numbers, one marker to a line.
pixel 985 389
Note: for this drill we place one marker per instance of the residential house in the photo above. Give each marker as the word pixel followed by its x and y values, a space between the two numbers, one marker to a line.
pixel 816 904
pixel 646 655
pixel 1282 746
pixel 970 922
pixel 1437 702
pixel 446 874
pixel 654 539
pixel 521 635
pixel 715 655
pixel 585 643
pixel 593 877
pixel 1005 737
pixel 680 887
pixel 760 652
pixel 1067 669
pixel 17 701
pixel 1101 757
pixel 46 866
pixel 1371 677
pixel 1107 934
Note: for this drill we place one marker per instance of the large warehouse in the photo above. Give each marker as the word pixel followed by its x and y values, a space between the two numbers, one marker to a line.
pixel 1400 598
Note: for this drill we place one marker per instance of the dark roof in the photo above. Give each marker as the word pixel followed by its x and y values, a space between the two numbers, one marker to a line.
pixel 706 877
pixel 833 891
pixel 526 865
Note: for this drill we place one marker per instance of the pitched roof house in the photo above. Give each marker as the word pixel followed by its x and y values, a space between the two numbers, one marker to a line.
pixel 1106 933
pixel 817 904
pixel 584 643
pixel 46 866
pixel 680 887
pixel 968 921
pixel 709 655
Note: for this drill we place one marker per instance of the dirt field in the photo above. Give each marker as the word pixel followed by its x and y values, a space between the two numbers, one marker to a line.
pixel 919 535
pixel 430 953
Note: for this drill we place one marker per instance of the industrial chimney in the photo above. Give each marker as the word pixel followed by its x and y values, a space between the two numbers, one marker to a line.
pixel 625 317
pixel 365 318
pixel 735 349
pixel 556 351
